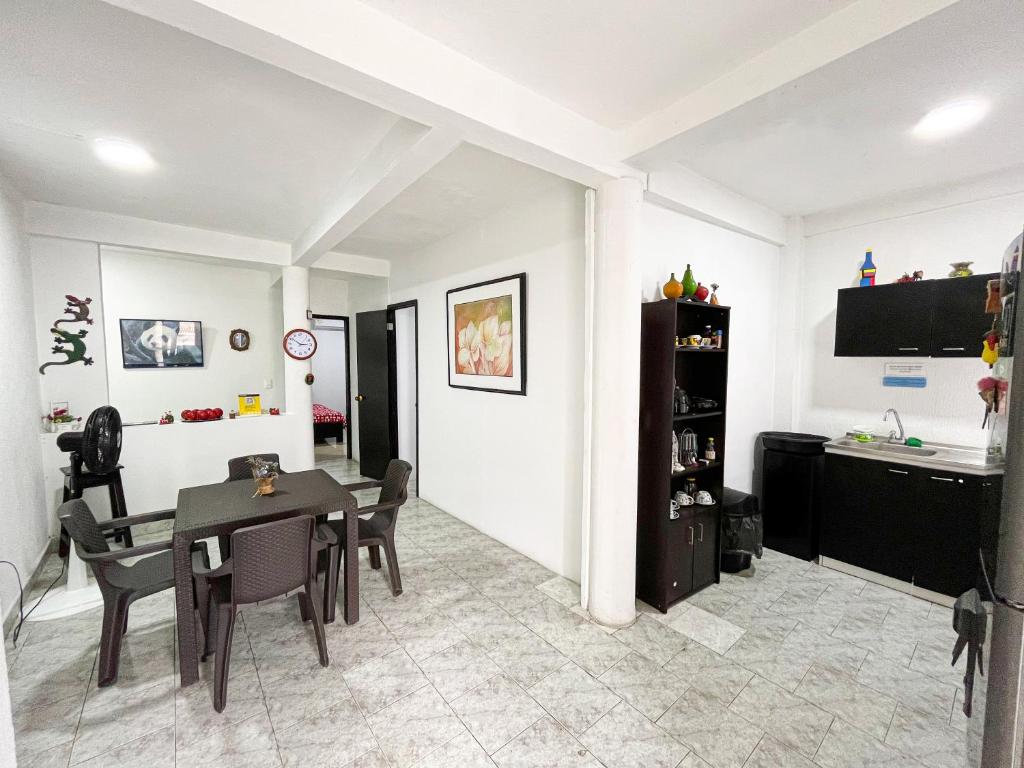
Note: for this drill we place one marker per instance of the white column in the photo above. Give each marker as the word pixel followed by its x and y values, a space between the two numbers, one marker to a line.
pixel 615 403
pixel 298 395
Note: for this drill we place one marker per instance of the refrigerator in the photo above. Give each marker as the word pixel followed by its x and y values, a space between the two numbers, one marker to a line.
pixel 996 730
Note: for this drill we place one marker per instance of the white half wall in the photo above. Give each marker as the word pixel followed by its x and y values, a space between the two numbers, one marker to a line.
pixel 508 465
pixel 24 540
pixel 836 393
pixel 746 270
pixel 142 285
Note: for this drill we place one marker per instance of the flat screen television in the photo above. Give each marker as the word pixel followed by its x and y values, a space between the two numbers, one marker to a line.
pixel 162 343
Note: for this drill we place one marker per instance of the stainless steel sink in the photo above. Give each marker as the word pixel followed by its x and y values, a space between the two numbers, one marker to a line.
pixel 957 458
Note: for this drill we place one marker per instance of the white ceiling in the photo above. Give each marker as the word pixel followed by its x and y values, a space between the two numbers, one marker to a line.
pixel 467 186
pixel 241 146
pixel 613 61
pixel 841 135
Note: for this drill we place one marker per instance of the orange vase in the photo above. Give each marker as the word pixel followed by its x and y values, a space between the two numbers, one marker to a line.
pixel 673 288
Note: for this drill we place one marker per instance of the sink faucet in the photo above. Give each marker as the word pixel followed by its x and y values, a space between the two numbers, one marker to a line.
pixel 893 437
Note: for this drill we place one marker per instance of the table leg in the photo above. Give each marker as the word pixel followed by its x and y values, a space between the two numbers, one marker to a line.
pixel 351 566
pixel 188 659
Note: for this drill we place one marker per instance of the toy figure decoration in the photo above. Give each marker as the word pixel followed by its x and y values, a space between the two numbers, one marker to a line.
pixel 714 294
pixel 961 269
pixel 70 344
pixel 867 271
pixel 990 348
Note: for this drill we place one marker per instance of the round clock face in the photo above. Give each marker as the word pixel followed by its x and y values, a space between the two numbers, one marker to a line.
pixel 299 344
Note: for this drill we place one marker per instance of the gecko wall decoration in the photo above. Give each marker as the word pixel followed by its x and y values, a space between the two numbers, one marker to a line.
pixel 67 343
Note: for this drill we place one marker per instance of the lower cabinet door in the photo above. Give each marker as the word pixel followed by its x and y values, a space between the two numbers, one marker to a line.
pixel 705 549
pixel 947 535
pixel 679 558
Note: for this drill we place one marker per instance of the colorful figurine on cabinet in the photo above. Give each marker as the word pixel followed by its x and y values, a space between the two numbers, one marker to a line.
pixel 714 294
pixel 867 271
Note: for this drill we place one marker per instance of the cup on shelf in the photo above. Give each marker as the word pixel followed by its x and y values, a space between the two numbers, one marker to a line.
pixel 704 498
pixel 683 499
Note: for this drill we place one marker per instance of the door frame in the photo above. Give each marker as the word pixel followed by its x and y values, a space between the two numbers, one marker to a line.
pixel 393 374
pixel 348 376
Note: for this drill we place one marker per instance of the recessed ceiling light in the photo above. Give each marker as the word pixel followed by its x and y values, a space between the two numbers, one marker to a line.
pixel 123 155
pixel 951 118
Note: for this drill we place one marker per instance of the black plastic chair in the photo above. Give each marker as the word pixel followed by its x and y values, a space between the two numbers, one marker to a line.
pixel 375 531
pixel 267 561
pixel 239 469
pixel 121 584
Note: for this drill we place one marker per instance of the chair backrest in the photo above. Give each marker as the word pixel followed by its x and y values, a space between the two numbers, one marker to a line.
pixel 395 490
pixel 270 559
pixel 239 469
pixel 80 524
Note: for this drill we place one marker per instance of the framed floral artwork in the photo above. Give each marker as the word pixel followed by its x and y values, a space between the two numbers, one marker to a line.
pixel 487 336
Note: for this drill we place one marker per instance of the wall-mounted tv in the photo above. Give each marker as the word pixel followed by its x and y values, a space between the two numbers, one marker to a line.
pixel 162 343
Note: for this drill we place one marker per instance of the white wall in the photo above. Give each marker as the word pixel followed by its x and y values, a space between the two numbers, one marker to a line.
pixel 24 539
pixel 746 270
pixel 141 285
pixel 835 393
pixel 405 382
pixel 61 267
pixel 328 295
pixel 508 465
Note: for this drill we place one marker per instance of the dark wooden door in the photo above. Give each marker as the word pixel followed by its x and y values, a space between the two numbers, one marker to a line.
pixel 678 580
pixel 885 320
pixel 868 507
pixel 705 548
pixel 959 321
pixel 947 532
pixel 373 399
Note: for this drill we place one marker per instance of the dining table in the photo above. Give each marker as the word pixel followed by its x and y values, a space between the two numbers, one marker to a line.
pixel 206 511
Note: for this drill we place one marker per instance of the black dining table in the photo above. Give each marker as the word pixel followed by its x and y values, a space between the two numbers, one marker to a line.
pixel 214 510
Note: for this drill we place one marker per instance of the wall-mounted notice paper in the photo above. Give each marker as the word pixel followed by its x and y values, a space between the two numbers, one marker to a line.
pixel 905 375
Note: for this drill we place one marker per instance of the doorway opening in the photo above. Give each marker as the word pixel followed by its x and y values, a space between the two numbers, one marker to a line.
pixel 332 388
pixel 404 353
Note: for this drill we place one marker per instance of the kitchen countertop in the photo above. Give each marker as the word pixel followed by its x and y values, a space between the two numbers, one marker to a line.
pixel 953 458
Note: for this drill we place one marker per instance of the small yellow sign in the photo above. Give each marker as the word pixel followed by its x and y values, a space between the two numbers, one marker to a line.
pixel 249 405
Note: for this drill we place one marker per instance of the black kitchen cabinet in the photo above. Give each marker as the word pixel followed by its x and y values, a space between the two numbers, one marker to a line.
pixel 861 524
pixel 914 524
pixel 705 548
pixel 958 320
pixel 884 320
pixel 929 318
pixel 679 558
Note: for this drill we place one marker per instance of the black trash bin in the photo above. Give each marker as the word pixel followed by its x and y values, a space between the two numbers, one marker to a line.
pixel 788 472
pixel 741 530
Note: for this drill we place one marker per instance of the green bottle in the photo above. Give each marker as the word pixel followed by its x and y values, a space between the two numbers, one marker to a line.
pixel 689 284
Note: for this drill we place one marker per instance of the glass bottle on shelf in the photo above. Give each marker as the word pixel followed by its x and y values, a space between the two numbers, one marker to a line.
pixel 709 450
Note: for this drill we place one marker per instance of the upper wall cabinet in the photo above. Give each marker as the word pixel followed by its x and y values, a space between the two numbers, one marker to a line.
pixel 930 318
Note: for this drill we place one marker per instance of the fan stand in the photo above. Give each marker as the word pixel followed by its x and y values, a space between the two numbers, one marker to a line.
pixel 80 594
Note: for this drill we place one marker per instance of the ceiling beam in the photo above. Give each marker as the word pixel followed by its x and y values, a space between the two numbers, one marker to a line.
pixel 355 49
pixel 405 153
pixel 648 143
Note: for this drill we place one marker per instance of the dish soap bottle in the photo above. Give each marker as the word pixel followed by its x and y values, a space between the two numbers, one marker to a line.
pixel 709 450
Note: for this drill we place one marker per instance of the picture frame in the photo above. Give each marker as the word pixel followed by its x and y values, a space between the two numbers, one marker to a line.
pixel 163 344
pixel 239 339
pixel 486 335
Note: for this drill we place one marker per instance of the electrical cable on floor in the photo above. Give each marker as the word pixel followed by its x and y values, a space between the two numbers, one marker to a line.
pixel 21 597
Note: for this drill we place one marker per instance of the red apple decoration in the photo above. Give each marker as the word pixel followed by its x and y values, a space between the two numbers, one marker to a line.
pixel 218 413
pixel 701 293
pixel 186 415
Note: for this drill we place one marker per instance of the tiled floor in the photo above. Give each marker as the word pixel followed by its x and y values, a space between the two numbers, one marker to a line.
pixel 487 660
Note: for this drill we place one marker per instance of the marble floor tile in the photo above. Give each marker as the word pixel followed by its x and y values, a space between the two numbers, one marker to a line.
pixel 422 639
pixel 657 641
pixel 707 629
pixel 463 751
pixel 841 695
pixel 458 669
pixel 351 645
pixel 626 739
pixel 591 648
pixel 377 683
pixel 561 590
pixel 834 652
pixel 414 726
pixel 845 746
pixel 648 688
pixel 714 733
pixel 915 689
pixel 115 718
pixel 372 759
pixel 194 715
pixel 785 717
pixel 527 658
pixel 39 729
pixel 250 743
pixel 772 754
pixel 929 739
pixel 155 750
pixel 714 599
pixel 545 743
pixel 550 620
pixel 496 711
pixel 54 757
pixel 694 761
pixel 335 736
pixel 574 698
pixel 759 621
pixel 291 699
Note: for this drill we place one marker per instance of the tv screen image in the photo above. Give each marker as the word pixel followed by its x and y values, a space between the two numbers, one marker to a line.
pixel 162 343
